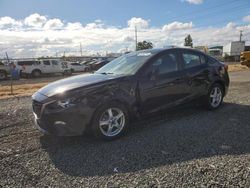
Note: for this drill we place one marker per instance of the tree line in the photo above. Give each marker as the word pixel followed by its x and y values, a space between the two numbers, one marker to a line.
pixel 188 41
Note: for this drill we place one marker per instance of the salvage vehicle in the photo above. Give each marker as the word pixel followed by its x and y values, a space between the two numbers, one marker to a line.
pixel 77 67
pixel 245 58
pixel 131 86
pixel 97 65
pixel 36 68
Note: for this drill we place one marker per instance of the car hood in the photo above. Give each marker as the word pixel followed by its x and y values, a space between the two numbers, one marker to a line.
pixel 74 82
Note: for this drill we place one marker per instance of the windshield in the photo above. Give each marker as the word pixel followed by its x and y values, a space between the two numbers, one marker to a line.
pixel 127 64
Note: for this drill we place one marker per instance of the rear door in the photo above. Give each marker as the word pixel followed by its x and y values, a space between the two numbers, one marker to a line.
pixel 47 68
pixel 56 67
pixel 164 88
pixel 194 65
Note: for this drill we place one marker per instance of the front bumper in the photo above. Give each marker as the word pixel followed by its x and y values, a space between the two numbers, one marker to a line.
pixel 71 121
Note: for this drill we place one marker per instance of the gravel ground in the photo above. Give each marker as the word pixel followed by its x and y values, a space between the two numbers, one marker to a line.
pixel 187 147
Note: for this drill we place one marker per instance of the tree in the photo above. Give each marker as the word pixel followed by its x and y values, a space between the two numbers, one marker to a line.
pixel 188 41
pixel 144 45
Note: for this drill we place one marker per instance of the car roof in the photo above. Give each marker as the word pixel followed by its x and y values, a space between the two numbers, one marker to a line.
pixel 157 50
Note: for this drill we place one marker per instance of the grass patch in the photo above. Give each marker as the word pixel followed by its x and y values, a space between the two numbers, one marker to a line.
pixel 237 67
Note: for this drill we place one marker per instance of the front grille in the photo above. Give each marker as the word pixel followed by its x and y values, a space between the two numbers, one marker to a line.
pixel 37 107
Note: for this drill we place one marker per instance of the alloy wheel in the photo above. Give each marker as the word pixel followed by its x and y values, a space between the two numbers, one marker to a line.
pixel 215 97
pixel 112 122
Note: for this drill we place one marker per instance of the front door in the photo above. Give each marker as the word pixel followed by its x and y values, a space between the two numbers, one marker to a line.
pixel 165 86
pixel 47 67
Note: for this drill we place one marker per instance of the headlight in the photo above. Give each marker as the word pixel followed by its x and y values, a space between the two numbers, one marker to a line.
pixel 65 103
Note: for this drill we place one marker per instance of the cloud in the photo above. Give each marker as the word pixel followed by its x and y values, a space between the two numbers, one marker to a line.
pixel 177 26
pixel 196 2
pixel 230 25
pixel 35 20
pixel 74 26
pixel 9 22
pixel 138 22
pixel 98 21
pixel 246 18
pixel 55 36
pixel 93 25
pixel 53 24
pixel 128 39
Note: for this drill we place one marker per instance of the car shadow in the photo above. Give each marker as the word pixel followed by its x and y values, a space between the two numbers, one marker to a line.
pixel 175 136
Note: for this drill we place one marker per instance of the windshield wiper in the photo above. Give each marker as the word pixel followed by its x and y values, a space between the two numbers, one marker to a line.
pixel 106 73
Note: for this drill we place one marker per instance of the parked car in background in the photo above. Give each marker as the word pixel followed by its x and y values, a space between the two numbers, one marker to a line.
pixel 133 85
pixel 98 64
pixel 77 67
pixel 4 71
pixel 36 68
pixel 245 58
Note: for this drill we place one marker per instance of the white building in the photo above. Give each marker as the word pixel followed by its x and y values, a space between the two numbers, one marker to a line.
pixel 234 48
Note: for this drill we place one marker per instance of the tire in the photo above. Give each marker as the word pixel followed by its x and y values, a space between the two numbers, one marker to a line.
pixel 87 69
pixel 3 75
pixel 36 73
pixel 215 96
pixel 115 121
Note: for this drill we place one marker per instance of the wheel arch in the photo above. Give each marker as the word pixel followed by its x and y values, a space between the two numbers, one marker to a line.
pixel 36 70
pixel 220 82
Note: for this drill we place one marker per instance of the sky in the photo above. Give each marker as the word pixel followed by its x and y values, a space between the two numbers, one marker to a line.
pixel 37 28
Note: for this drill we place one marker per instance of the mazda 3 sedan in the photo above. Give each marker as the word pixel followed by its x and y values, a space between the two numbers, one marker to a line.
pixel 133 85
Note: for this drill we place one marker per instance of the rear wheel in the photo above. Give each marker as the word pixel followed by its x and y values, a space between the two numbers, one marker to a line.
pixel 110 121
pixel 215 97
pixel 87 69
pixel 36 73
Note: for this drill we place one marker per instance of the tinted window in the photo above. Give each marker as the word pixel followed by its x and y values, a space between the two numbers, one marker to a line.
pixel 46 62
pixel 21 63
pixel 166 63
pixel 77 64
pixel 127 64
pixel 212 60
pixel 203 59
pixel 191 60
pixel 54 62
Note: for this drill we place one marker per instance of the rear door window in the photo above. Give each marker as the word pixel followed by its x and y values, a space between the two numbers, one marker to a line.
pixel 46 62
pixel 203 59
pixel 54 62
pixel 191 60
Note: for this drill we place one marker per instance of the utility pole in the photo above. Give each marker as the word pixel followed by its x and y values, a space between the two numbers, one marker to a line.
pixel 135 38
pixel 81 48
pixel 11 78
pixel 241 35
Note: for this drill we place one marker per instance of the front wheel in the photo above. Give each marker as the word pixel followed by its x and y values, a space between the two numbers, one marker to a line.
pixel 110 121
pixel 215 97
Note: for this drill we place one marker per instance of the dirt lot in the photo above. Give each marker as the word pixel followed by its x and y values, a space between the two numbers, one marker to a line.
pixel 183 148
